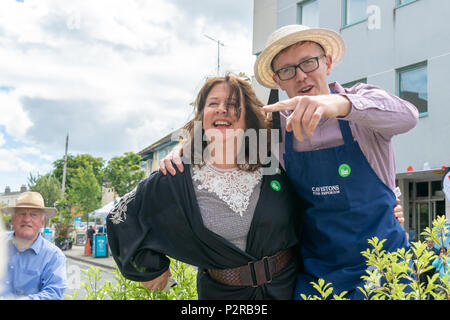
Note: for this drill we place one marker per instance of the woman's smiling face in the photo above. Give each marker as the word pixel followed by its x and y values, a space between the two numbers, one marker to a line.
pixel 221 112
pixel 224 124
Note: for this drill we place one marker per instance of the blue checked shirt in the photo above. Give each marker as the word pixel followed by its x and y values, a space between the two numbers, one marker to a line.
pixel 37 273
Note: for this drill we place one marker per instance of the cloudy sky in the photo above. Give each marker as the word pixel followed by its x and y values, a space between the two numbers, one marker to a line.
pixel 117 75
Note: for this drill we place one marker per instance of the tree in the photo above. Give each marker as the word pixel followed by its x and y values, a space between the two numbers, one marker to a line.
pixel 84 192
pixel 64 208
pixel 48 186
pixel 5 218
pixel 75 162
pixel 124 172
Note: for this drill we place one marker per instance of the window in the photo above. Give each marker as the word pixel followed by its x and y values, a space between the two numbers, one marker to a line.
pixel 436 188
pixel 355 11
pixel 413 86
pixel 352 83
pixel 162 153
pixel 401 3
pixel 421 189
pixel 425 205
pixel 308 13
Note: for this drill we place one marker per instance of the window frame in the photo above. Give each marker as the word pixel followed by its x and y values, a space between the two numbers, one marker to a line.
pixel 398 3
pixel 345 23
pixel 415 66
pixel 300 6
pixel 350 84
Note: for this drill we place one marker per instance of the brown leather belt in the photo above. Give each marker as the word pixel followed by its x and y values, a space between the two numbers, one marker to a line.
pixel 255 273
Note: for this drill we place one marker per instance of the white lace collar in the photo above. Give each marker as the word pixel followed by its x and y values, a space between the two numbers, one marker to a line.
pixel 233 186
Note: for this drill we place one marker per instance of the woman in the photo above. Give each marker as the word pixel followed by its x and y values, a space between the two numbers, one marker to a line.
pixel 235 224
pixel 441 263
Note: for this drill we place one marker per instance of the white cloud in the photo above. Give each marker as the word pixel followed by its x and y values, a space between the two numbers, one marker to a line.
pixel 116 74
pixel 24 159
pixel 13 117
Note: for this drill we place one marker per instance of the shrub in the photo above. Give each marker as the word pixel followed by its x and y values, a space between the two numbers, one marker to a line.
pixel 124 289
pixel 397 275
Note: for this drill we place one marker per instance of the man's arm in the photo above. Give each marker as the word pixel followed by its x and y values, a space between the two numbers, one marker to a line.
pixel 364 104
pixel 378 110
pixel 308 110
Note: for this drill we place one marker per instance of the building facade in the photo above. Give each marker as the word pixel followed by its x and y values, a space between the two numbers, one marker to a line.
pixel 402 46
pixel 157 151
pixel 9 198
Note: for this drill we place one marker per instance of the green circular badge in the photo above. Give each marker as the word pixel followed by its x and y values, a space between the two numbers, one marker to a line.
pixel 344 170
pixel 275 185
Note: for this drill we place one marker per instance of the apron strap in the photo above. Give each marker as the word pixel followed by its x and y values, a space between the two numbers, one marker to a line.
pixel 288 142
pixel 346 132
pixel 345 128
pixel 276 125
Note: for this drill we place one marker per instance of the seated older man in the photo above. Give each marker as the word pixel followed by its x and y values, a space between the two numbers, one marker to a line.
pixel 36 269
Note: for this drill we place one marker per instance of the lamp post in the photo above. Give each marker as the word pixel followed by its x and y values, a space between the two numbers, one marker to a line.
pixel 63 188
pixel 218 51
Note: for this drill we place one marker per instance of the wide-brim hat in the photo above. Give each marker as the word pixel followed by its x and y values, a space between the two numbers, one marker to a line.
pixel 280 39
pixel 32 200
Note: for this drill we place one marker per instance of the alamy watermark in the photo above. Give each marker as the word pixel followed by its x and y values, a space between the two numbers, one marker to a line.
pixel 231 146
pixel 73 277
pixel 373 17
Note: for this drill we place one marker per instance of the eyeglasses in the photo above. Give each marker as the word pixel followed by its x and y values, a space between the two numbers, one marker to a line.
pixel 33 215
pixel 306 66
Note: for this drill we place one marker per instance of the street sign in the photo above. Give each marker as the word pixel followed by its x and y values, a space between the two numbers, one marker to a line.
pixel 77 222
pixel 48 234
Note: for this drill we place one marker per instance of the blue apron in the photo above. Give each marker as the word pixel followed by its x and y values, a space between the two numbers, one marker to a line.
pixel 350 204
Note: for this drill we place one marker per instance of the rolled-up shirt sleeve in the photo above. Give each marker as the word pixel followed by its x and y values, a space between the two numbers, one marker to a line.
pixel 380 111
pixel 129 234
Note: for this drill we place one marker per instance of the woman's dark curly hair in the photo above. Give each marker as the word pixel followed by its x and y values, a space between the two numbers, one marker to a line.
pixel 242 94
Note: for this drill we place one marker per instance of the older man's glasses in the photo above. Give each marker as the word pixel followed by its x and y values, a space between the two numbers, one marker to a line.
pixel 33 215
pixel 306 66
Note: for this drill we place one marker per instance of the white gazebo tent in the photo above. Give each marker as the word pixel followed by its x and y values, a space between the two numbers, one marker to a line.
pixel 104 211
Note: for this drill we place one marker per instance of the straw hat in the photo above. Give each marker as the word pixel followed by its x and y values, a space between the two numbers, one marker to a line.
pixel 31 200
pixel 331 41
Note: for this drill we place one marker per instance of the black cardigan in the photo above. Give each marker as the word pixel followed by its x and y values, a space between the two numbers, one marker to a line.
pixel 162 217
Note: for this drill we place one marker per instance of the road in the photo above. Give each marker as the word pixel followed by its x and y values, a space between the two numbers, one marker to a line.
pixel 76 276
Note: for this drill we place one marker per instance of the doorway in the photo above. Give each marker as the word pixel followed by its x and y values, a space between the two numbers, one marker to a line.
pixel 426 203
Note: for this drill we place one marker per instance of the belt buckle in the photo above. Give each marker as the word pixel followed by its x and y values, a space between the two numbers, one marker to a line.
pixel 251 265
pixel 267 269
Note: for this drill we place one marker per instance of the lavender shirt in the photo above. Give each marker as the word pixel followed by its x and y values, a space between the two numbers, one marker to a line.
pixel 375 117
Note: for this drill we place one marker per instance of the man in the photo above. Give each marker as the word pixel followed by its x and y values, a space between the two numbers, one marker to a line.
pixel 90 236
pixel 336 149
pixel 36 269
pixel 338 153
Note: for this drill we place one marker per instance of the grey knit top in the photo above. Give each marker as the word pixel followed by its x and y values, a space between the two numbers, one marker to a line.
pixel 227 199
